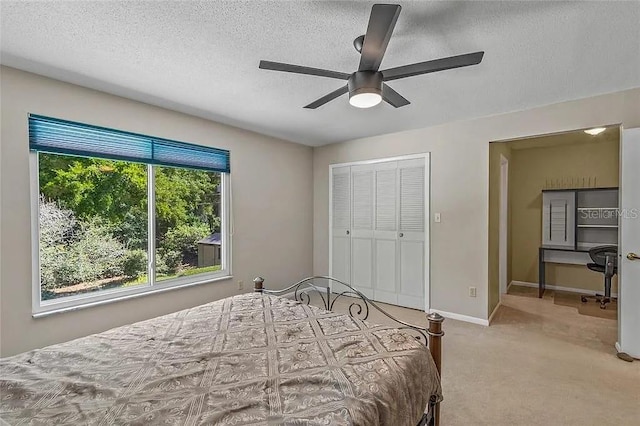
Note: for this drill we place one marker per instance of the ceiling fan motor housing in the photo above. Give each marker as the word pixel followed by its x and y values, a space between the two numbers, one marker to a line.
pixel 365 82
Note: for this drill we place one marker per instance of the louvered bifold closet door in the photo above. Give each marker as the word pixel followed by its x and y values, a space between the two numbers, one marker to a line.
pixel 362 195
pixel 411 235
pixel 340 266
pixel 386 272
pixel 378 229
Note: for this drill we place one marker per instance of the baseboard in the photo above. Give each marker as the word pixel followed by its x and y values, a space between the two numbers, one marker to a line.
pixel 560 288
pixel 494 312
pixel 461 317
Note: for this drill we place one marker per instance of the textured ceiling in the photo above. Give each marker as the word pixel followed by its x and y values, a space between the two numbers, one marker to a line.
pixel 202 57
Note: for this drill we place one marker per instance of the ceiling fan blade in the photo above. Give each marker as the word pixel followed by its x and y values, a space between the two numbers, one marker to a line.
pixel 331 96
pixel 279 66
pixel 392 97
pixel 432 66
pixel 381 23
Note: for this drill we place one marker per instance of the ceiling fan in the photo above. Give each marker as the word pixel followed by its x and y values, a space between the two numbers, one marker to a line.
pixel 367 87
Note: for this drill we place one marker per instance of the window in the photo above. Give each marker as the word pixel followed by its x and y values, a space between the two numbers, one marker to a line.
pixel 120 214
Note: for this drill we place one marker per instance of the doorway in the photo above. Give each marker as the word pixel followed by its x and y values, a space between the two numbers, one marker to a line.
pixel 504 224
pixel 552 199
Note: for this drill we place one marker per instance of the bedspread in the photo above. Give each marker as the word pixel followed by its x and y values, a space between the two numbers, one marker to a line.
pixel 248 359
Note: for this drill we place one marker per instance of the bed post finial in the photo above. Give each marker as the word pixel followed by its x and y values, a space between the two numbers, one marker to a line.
pixel 435 347
pixel 435 335
pixel 257 284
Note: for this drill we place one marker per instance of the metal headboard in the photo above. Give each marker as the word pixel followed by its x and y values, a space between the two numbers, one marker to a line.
pixel 305 288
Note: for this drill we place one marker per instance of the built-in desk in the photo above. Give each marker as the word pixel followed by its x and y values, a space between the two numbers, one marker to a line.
pixel 558 255
pixel 574 221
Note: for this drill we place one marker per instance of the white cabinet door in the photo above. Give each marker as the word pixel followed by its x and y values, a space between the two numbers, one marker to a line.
pixel 340 266
pixel 386 233
pixel 558 219
pixel 362 196
pixel 411 233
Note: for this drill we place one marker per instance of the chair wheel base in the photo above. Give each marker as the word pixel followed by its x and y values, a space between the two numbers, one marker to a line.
pixel 602 300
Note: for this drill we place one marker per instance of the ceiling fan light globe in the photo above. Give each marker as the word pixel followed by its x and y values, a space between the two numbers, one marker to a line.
pixel 365 100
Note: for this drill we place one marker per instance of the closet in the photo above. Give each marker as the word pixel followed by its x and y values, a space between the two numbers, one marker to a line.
pixel 379 228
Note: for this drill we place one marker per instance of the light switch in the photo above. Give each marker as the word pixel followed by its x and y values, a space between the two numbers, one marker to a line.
pixel 437 217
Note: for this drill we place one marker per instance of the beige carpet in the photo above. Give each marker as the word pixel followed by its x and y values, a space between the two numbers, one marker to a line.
pixel 537 364
pixel 565 298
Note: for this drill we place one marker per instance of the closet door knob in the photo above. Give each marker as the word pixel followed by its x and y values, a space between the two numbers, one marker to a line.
pixel 633 256
pixel 401 235
pixel 347 232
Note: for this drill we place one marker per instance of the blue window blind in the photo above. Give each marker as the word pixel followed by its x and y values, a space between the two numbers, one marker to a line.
pixel 67 137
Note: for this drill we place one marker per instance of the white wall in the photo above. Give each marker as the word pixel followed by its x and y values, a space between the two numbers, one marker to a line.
pixel 459 185
pixel 272 207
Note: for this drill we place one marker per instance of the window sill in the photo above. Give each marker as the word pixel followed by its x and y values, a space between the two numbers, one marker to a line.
pixel 47 311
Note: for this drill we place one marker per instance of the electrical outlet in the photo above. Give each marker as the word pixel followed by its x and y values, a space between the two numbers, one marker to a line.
pixel 472 292
pixel 240 285
pixel 437 217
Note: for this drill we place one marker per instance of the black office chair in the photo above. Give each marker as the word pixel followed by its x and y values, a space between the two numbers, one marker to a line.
pixel 605 261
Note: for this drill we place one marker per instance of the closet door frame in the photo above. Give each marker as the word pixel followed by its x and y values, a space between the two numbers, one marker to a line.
pixel 427 213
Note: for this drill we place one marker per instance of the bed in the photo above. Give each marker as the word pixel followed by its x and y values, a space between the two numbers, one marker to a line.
pixel 255 358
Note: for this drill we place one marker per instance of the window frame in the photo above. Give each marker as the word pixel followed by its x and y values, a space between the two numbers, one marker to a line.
pixel 42 308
